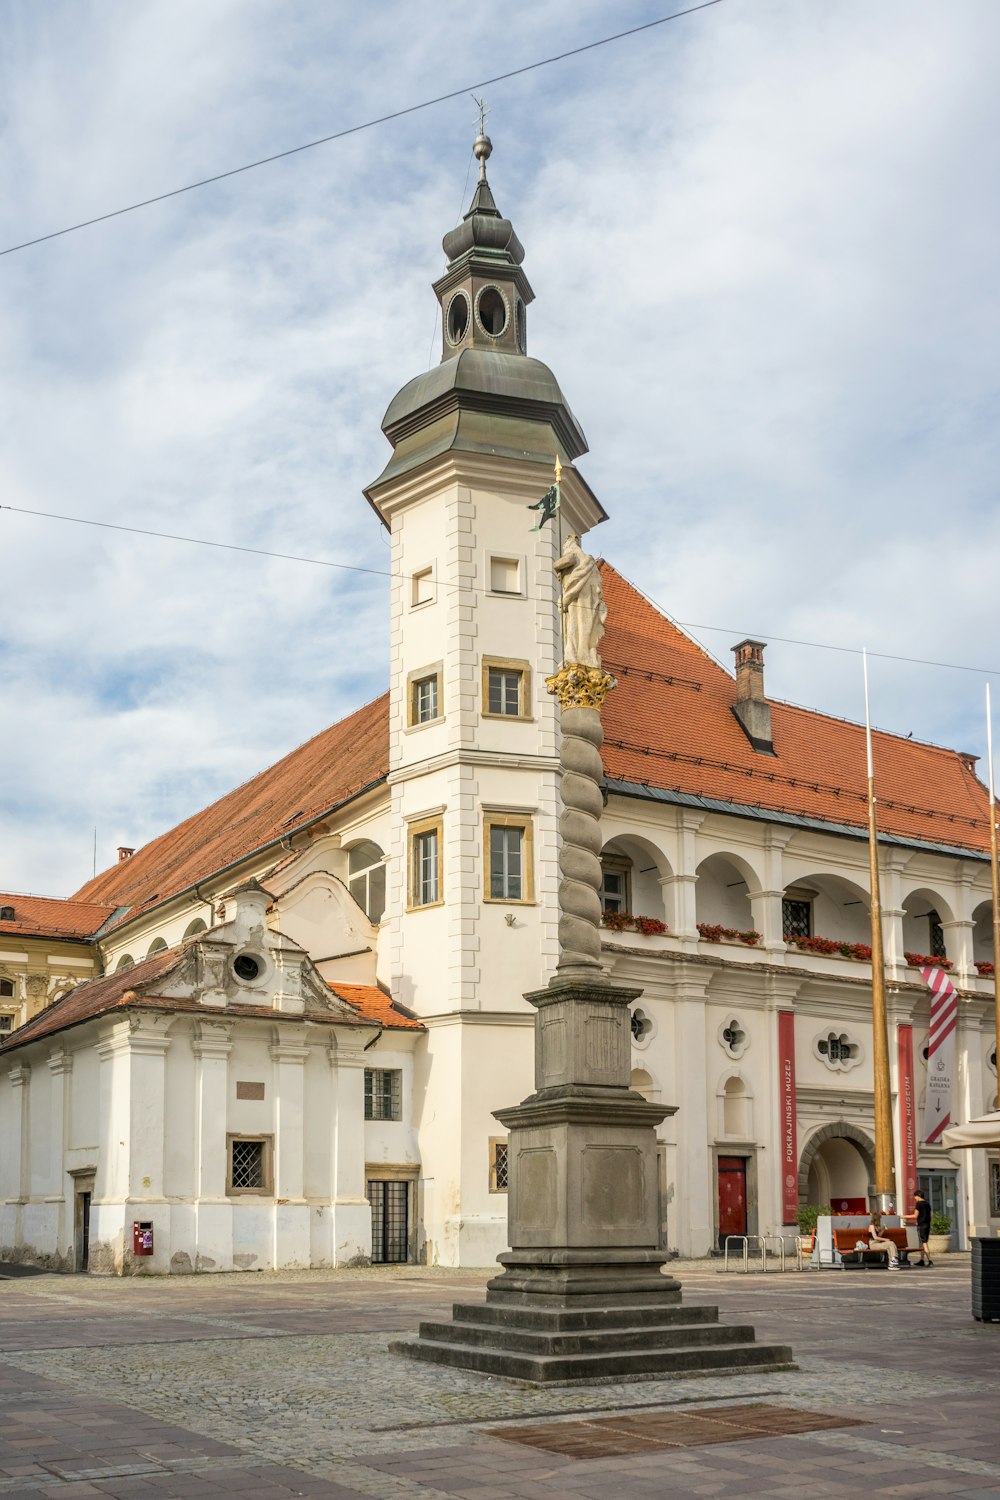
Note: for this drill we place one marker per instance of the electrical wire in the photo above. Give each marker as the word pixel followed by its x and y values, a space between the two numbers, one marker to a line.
pixel 338 135
pixel 322 562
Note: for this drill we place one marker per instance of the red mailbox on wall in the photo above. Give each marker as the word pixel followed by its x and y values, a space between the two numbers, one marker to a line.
pixel 142 1237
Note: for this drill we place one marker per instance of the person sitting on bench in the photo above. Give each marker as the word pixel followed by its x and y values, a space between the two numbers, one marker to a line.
pixel 876 1242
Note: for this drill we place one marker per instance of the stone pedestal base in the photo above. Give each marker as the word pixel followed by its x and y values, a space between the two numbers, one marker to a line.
pixel 582 1294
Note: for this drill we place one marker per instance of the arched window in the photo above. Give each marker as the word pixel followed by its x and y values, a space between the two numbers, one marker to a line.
pixel 156 946
pixel 125 962
pixel 366 879
pixel 193 928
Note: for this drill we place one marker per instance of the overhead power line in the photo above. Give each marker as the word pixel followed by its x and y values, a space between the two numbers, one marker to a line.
pixel 338 135
pixel 324 562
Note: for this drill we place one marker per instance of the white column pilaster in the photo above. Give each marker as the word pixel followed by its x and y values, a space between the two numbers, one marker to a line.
pixel 291 1241
pixel 352 1219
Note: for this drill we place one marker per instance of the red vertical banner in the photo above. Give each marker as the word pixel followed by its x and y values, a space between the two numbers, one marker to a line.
pixel 789 1134
pixel 907 1117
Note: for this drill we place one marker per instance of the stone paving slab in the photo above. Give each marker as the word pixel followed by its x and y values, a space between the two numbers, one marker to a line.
pixel 280 1384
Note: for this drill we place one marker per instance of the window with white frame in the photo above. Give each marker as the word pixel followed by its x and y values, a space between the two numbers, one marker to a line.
pixel 506 688
pixel 425 862
pixel 425 695
pixel 508 844
pixel 616 883
pixel 366 878
pixel 383 1094
pixel 422 587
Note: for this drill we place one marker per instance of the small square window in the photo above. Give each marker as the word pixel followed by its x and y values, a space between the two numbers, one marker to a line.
pixel 383 1094
pixel 796 918
pixel 249 1165
pixel 425 864
pixel 422 586
pixel 505 575
pixel 498 1165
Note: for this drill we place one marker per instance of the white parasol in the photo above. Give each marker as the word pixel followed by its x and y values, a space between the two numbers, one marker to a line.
pixel 982 1132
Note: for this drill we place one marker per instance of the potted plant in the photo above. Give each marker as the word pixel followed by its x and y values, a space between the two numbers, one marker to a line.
pixel 939 1242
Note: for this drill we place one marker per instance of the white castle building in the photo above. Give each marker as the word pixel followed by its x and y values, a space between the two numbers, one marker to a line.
pixel 311 992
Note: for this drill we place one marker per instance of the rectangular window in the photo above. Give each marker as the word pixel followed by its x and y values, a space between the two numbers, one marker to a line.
pixel 508 850
pixel 504 692
pixel 422 586
pixel 6 1024
pixel 936 936
pixel 506 863
pixel 615 894
pixel 425 699
pixel 250 1165
pixel 505 575
pixel 796 918
pixel 994 1189
pixel 425 863
pixel 383 1094
pixel 498 1165
pixel 506 688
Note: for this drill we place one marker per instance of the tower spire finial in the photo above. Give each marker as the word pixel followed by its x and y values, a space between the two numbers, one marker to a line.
pixel 482 146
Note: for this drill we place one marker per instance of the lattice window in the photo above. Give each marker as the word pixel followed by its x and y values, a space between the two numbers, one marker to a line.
pixel 936 935
pixel 249 1164
pixel 498 1166
pixel 383 1094
pixel 796 918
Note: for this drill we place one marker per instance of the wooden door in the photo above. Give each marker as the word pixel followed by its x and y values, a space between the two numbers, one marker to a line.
pixel 732 1196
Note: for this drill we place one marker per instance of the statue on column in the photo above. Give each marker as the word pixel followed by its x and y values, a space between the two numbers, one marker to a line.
pixel 583 608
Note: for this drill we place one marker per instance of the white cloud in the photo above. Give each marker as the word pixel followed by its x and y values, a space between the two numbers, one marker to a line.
pixel 763 240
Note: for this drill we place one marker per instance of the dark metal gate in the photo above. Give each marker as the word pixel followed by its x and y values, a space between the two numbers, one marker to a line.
pixel 390 1203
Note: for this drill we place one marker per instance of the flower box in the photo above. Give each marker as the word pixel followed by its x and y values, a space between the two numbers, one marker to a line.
pixel 985 967
pixel 714 932
pixel 832 948
pixel 624 921
pixel 927 961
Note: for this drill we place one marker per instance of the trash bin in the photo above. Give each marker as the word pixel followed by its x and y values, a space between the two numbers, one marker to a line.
pixel 986 1279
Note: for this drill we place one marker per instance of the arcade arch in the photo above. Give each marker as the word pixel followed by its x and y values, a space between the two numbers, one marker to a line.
pixel 722 894
pixel 837 1167
pixel 632 871
pixel 924 912
pixel 824 905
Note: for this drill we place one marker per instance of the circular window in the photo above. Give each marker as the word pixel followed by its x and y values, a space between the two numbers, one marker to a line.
pixel 492 311
pixel 519 326
pixel 247 968
pixel 458 318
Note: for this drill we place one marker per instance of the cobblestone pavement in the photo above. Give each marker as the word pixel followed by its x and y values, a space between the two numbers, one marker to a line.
pixel 276 1385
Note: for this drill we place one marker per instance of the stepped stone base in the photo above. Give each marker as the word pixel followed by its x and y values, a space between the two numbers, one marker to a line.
pixel 510 1335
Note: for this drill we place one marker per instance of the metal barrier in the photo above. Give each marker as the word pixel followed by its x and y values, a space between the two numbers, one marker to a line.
pixel 761 1242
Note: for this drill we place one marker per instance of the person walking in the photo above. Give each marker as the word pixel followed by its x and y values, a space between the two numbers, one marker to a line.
pixel 921 1216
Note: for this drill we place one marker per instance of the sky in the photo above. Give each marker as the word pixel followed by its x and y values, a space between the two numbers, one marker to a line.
pixel 764 242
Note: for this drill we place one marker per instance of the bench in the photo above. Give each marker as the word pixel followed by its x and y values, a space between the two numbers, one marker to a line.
pixel 846 1241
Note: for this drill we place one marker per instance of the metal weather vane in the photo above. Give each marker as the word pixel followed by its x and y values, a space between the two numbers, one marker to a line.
pixel 550 501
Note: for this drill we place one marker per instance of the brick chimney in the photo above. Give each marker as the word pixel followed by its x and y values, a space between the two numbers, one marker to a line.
pixel 124 853
pixel 751 707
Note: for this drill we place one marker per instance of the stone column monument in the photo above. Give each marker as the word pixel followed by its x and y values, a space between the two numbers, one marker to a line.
pixel 582 1293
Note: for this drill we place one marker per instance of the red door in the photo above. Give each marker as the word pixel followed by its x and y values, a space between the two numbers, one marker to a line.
pixel 732 1196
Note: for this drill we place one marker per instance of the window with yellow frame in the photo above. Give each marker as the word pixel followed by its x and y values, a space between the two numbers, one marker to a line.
pixel 506 688
pixel 508 847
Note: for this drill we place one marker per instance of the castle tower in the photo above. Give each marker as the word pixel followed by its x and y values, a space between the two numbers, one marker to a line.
pixel 473 734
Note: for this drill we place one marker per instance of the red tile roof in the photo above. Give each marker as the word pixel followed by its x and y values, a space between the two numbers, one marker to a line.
pixel 670 724
pixel 328 770
pixel 47 916
pixel 372 1004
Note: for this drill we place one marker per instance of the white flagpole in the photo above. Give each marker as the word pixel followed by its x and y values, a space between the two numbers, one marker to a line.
pixel 994 875
pixel 885 1169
